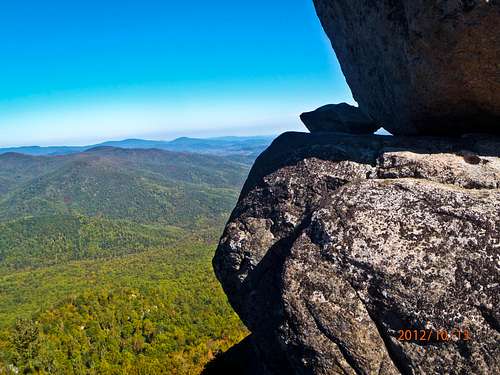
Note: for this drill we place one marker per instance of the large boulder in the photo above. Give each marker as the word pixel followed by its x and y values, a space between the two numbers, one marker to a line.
pixel 420 66
pixel 342 247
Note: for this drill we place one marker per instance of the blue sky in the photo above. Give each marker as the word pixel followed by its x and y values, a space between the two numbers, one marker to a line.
pixel 77 72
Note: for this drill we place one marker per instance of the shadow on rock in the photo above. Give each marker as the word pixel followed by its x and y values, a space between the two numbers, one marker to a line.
pixel 240 359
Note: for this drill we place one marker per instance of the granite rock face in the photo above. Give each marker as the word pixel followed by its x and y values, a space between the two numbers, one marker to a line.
pixel 419 66
pixel 340 242
pixel 343 118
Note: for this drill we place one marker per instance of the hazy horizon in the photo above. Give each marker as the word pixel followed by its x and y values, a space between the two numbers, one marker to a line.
pixel 79 73
pixel 182 135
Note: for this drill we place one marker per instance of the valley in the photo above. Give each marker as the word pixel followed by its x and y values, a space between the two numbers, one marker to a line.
pixel 105 260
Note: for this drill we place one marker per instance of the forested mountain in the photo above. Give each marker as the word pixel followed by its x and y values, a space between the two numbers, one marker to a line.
pixel 145 186
pixel 160 311
pixel 35 242
pixel 81 234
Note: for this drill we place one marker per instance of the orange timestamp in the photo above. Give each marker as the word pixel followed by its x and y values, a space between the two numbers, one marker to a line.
pixel 454 334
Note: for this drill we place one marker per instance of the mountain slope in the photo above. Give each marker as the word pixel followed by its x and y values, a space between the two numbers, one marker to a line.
pixel 144 186
pixel 48 240
pixel 105 261
pixel 156 312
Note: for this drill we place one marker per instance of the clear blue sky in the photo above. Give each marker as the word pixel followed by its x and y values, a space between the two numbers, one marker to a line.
pixel 76 72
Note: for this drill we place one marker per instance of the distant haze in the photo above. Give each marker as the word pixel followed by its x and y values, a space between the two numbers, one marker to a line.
pixel 84 72
pixel 242 147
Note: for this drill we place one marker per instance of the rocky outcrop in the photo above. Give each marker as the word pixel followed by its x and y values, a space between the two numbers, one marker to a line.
pixel 420 67
pixel 341 245
pixel 343 118
pixel 380 255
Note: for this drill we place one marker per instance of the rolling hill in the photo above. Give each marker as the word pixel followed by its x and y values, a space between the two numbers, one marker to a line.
pixel 144 186
pixel 118 241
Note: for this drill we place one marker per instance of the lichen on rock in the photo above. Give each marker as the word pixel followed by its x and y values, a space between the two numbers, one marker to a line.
pixel 340 242
pixel 364 254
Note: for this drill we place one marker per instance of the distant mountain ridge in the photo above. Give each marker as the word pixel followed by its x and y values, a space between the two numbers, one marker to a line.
pixel 223 146
pixel 142 185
